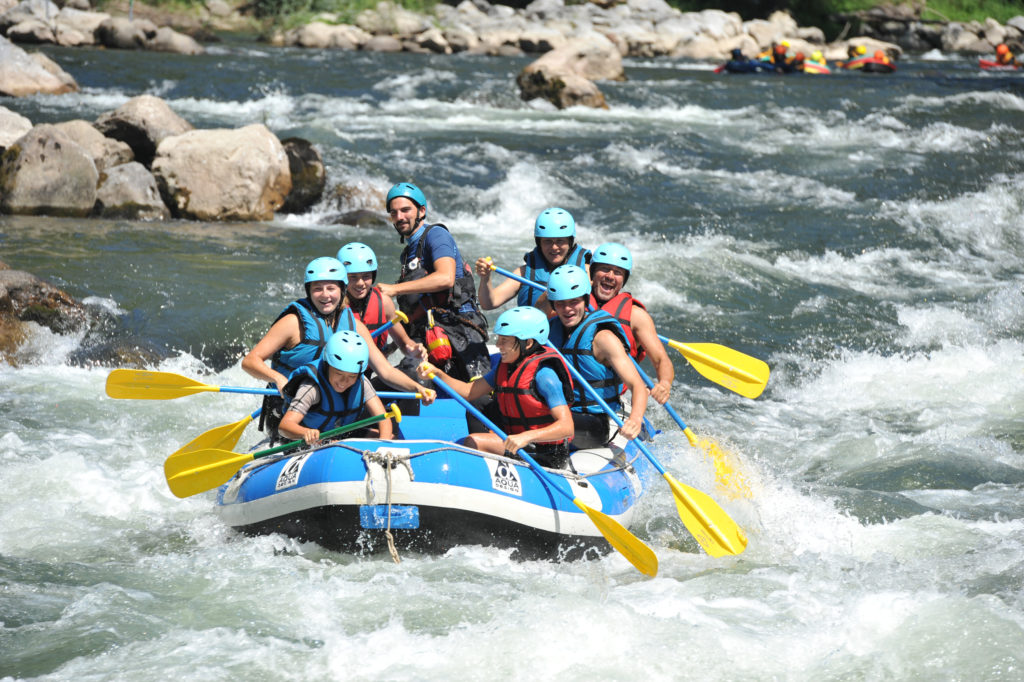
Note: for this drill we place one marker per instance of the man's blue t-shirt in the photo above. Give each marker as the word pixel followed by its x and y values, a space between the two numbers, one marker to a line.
pixel 548 385
pixel 439 244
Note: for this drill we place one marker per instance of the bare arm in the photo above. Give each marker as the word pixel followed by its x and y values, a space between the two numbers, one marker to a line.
pixel 646 334
pixel 375 406
pixel 470 390
pixel 608 350
pixel 408 346
pixel 562 428
pixel 283 334
pixel 491 296
pixel 391 376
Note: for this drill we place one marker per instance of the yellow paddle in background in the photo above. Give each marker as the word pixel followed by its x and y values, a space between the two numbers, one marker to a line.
pixel 191 472
pixel 736 371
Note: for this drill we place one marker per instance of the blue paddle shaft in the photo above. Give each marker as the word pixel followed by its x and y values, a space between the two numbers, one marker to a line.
pixel 501 434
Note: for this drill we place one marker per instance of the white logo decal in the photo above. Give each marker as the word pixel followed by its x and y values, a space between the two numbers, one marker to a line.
pixel 504 477
pixel 289 475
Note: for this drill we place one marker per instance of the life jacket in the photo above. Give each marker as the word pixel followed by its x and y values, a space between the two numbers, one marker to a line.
pixel 516 391
pixel 578 348
pixel 621 308
pixel 460 299
pixel 334 409
pixel 314 332
pixel 537 269
pixel 370 311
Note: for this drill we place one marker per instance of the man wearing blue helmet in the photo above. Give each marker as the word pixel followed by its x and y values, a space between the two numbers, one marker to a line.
pixel 596 345
pixel 554 232
pixel 532 386
pixel 435 279
pixel 609 272
pixel 332 392
pixel 300 333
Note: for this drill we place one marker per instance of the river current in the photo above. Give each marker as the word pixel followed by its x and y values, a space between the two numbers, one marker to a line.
pixel 862 234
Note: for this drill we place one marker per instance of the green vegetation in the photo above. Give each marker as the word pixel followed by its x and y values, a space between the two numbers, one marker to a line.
pixel 346 10
pixel 826 14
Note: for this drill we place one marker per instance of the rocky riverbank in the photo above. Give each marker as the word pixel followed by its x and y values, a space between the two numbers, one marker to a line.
pixel 144 162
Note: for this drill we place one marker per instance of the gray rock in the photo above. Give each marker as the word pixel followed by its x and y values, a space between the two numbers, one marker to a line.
pixel 45 173
pixel 23 74
pixel 12 126
pixel 309 176
pixel 129 191
pixel 123 34
pixel 142 123
pixel 105 151
pixel 26 298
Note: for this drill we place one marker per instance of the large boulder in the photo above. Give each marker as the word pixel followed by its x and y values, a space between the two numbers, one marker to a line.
pixel 142 123
pixel 105 151
pixel 45 173
pixel 42 11
pixel 129 191
pixel 123 33
pixel 168 40
pixel 309 177
pixel 12 126
pixel 26 298
pixel 22 74
pixel 240 174
pixel 564 89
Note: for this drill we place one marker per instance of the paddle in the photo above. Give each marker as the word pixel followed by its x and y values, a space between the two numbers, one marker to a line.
pixel 724 366
pixel 192 472
pixel 399 317
pixel 635 551
pixel 739 372
pixel 724 472
pixel 145 385
pixel 703 517
pixel 222 437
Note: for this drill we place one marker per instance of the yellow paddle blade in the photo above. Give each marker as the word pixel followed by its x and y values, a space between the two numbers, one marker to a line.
pixel 221 438
pixel 729 479
pixel 142 385
pixel 190 473
pixel 713 529
pixel 629 545
pixel 739 372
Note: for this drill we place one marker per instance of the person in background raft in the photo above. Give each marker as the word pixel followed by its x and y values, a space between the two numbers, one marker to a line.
pixel 595 343
pixel 554 232
pixel 436 290
pixel 300 333
pixel 817 58
pixel 532 386
pixel 1005 57
pixel 333 392
pixel 371 307
pixel 608 275
pixel 853 53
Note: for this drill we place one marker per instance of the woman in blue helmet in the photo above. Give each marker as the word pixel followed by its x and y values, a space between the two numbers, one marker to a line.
pixel 333 391
pixel 300 333
pixel 596 345
pixel 609 273
pixel 366 301
pixel 436 283
pixel 532 388
pixel 554 233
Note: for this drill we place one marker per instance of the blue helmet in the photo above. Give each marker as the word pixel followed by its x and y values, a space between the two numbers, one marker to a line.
pixel 523 322
pixel 567 282
pixel 611 253
pixel 346 351
pixel 325 269
pixel 357 257
pixel 553 223
pixel 409 191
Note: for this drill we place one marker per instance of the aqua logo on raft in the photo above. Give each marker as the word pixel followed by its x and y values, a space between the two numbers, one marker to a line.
pixel 505 477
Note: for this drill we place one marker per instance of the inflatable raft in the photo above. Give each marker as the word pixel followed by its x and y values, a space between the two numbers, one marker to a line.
pixel 870 65
pixel 990 65
pixel 430 494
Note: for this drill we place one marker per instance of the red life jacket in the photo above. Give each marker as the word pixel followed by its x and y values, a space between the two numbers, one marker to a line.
pixel 516 391
pixel 621 308
pixel 372 315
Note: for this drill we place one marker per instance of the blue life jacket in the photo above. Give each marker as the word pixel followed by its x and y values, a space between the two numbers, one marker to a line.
pixel 334 409
pixel 578 349
pixel 314 333
pixel 536 269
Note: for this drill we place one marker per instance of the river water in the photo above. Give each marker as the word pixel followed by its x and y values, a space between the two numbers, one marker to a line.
pixel 861 234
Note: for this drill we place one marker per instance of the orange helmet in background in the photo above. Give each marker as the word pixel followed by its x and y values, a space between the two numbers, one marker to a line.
pixel 1001 48
pixel 879 54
